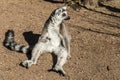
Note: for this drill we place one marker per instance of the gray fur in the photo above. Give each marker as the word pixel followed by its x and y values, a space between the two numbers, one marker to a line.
pixel 10 43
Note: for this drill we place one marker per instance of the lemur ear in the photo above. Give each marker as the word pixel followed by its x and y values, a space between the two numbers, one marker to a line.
pixel 57 11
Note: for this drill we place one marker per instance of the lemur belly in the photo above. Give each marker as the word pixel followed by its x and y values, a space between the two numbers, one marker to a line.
pixel 55 39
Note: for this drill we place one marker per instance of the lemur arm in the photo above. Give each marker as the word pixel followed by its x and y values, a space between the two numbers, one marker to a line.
pixel 65 37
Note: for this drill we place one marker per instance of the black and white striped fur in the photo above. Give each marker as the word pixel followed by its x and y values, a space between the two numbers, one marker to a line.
pixel 54 38
pixel 10 43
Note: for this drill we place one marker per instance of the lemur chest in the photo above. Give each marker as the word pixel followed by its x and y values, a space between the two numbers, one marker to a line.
pixel 53 34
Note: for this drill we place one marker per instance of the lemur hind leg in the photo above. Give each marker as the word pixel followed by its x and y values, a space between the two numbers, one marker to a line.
pixel 37 51
pixel 61 60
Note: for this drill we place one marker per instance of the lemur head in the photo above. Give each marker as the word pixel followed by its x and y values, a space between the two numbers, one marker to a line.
pixel 61 13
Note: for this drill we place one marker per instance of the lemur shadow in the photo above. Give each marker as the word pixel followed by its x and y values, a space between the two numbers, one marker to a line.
pixel 32 39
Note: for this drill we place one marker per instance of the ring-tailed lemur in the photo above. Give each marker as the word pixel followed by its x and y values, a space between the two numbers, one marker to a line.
pixel 54 38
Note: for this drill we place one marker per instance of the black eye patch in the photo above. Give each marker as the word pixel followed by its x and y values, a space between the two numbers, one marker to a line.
pixel 63 10
pixel 63 14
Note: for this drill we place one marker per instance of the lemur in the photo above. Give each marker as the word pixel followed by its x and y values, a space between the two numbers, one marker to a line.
pixel 54 39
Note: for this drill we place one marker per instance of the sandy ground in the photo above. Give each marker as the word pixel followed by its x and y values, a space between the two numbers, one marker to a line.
pixel 95 46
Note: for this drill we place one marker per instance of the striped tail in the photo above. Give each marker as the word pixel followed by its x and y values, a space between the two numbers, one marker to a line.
pixel 10 43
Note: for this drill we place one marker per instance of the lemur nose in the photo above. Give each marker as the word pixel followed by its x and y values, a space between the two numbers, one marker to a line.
pixel 67 18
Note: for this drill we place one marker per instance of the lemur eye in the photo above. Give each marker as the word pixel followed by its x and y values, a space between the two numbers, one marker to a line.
pixel 63 14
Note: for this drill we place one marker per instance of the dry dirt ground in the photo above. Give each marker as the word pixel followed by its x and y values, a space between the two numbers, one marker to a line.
pixel 95 46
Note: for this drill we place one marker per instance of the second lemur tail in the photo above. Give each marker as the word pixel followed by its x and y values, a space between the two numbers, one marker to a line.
pixel 10 43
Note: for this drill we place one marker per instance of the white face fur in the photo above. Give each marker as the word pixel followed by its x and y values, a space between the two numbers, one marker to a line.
pixel 61 14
